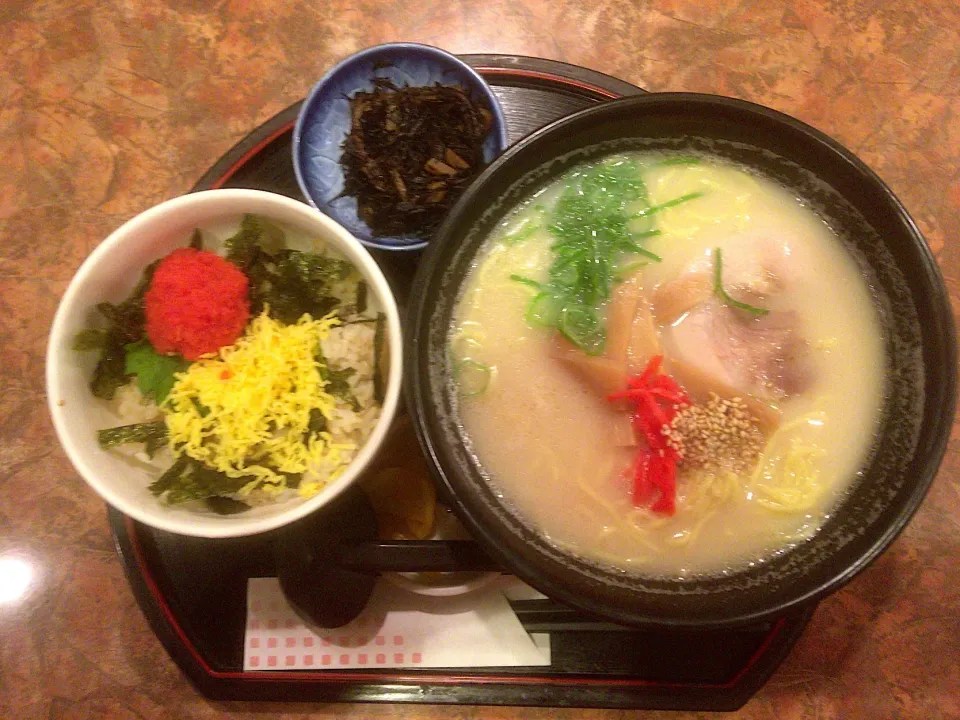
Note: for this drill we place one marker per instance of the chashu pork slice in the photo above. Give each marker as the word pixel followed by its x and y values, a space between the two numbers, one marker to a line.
pixel 710 346
pixel 632 339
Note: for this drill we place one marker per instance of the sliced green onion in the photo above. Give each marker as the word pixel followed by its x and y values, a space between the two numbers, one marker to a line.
pixel 634 248
pixel 668 204
pixel 592 234
pixel 722 294
pixel 473 377
pixel 526 281
pixel 583 329
pixel 629 268
pixel 464 346
pixel 544 309
pixel 522 234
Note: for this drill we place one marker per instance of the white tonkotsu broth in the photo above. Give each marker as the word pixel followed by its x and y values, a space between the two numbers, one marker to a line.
pixel 545 439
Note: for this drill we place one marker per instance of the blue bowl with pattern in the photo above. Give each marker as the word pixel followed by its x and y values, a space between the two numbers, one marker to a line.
pixel 324 123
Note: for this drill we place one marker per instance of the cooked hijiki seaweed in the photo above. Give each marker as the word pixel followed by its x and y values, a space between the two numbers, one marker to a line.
pixel 410 153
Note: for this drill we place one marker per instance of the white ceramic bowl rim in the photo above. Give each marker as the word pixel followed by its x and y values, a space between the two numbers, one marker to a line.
pixel 259 202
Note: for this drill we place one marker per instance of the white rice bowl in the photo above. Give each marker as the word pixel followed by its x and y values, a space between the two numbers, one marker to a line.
pixel 122 476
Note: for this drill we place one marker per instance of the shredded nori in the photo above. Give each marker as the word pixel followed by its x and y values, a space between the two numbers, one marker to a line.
pixel 153 434
pixel 90 339
pixel 128 319
pixel 125 325
pixel 336 382
pixel 317 423
pixel 110 374
pixel 302 285
pixel 255 235
pixel 188 479
pixel 410 153
pixel 225 505
pixel 338 386
pixel 361 297
pixel 288 282
pixel 380 359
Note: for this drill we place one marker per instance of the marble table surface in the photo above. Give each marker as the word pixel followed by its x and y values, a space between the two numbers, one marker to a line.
pixel 110 106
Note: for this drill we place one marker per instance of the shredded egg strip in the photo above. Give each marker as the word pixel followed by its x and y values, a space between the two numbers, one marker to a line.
pixel 245 411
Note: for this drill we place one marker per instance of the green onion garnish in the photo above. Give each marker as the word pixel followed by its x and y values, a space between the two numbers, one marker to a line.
pixel 668 204
pixel 522 234
pixel 526 281
pixel 633 247
pixel 590 224
pixel 629 268
pixel 545 309
pixel 722 294
pixel 472 376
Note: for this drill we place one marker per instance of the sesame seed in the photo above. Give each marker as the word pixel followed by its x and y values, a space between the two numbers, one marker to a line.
pixel 720 434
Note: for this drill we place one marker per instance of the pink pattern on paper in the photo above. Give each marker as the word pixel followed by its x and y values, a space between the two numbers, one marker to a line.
pixel 362 644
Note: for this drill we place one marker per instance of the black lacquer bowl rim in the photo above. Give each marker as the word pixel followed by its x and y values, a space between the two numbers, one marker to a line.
pixel 533 564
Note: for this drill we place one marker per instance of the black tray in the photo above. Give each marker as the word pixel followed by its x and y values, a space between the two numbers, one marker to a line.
pixel 193 591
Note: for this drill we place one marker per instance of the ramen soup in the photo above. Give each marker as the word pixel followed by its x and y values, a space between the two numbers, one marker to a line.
pixel 669 365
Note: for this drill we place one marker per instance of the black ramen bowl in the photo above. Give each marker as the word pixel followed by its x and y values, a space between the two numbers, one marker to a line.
pixel 909 295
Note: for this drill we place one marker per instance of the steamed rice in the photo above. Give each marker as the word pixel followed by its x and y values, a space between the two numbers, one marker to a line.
pixel 350 345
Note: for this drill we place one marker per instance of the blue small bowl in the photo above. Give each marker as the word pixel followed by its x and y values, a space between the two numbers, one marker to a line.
pixel 324 123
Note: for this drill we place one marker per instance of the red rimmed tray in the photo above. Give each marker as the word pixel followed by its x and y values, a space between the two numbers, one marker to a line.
pixel 193 591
